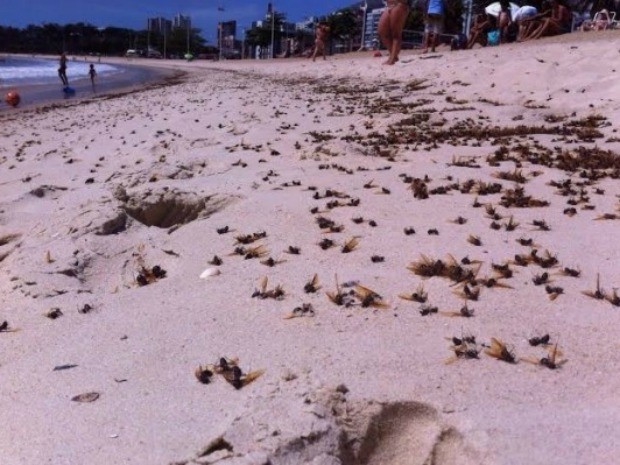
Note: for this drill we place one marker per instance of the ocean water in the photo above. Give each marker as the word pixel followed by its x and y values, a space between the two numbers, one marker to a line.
pixel 32 71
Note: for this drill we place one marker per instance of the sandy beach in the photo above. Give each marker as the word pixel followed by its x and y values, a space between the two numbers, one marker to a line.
pixel 438 238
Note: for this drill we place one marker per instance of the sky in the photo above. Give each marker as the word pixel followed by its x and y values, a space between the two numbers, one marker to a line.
pixel 133 14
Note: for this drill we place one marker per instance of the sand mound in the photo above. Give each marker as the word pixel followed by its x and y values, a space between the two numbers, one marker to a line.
pixel 324 428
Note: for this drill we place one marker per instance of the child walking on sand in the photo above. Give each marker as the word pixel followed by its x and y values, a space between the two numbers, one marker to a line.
pixel 92 73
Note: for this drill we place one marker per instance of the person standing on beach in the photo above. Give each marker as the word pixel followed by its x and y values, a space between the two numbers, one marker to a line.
pixel 62 69
pixel 391 26
pixel 321 33
pixel 92 73
pixel 433 25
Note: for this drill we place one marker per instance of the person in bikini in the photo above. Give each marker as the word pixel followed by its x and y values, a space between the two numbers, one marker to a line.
pixel 555 21
pixel 391 26
pixel 321 33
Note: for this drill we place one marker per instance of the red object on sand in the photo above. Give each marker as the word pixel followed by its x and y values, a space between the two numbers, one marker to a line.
pixel 12 98
pixel 377 54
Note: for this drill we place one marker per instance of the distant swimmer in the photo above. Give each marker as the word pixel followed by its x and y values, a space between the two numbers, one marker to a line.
pixel 92 73
pixel 62 69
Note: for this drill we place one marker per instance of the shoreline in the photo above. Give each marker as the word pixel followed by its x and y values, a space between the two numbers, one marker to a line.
pixel 135 78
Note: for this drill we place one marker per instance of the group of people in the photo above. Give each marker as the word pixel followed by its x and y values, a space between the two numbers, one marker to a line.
pixel 524 23
pixel 62 71
pixel 508 25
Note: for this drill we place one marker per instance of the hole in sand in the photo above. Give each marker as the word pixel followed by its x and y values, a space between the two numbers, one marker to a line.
pixel 169 209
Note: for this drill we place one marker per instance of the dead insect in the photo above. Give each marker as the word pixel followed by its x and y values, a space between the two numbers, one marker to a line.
pixel 468 292
pixel 459 220
pixel 255 252
pixel 216 261
pixel 511 224
pixel 464 311
pixel 540 279
pixel 358 220
pixel 428 310
pixel 148 276
pixel 498 350
pixel 368 297
pixel 495 226
pixel 338 297
pixel 474 240
pixel 572 272
pixel 277 293
pixel 493 283
pixel 372 223
pixel 271 262
pixel 54 313
pixel 503 270
pixel 463 347
pixel 250 238
pixel 607 216
pixel 598 293
pixel 491 212
pixel 370 185
pixel 230 371
pixel 326 244
pixel 570 212
pixel 550 361
pixel 324 223
pixel 546 261
pixel 304 310
pixel 350 245
pixel 542 340
pixel 554 291
pixel 419 295
pixel 409 231
pixel 293 250
pixel 86 308
pixel 223 230
pixel 384 190
pixel 613 298
pixel 6 328
pixel 541 225
pixel 377 259
pixel 433 232
pixel 312 285
pixel 427 267
pixel 203 374
pixel 526 242
pixel 476 204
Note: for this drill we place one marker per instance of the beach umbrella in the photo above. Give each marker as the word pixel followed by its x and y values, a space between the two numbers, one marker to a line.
pixel 495 8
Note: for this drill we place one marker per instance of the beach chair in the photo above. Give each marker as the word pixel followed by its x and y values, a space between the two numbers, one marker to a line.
pixel 602 20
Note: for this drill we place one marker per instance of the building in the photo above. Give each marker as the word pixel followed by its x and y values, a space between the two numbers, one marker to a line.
pixel 371 35
pixel 307 24
pixel 226 36
pixel 181 22
pixel 159 25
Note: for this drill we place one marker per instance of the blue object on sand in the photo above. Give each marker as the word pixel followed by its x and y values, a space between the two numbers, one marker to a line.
pixel 68 90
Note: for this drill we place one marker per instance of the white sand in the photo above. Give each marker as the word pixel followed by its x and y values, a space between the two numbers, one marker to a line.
pixel 174 147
